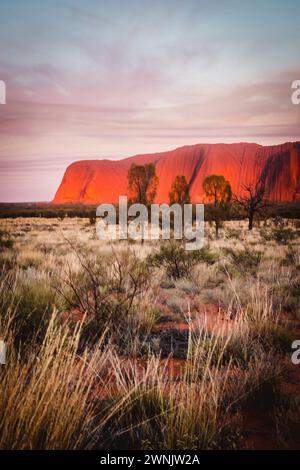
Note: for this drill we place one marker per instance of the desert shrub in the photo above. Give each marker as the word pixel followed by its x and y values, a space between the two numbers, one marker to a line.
pixel 245 261
pixel 148 405
pixel 61 216
pixel 205 255
pixel 266 234
pixel 283 235
pixel 107 289
pixel 253 310
pixel 179 262
pixel 233 233
pixel 197 421
pixel 6 240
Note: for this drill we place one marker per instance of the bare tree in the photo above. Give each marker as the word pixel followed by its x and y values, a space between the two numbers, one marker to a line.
pixel 253 200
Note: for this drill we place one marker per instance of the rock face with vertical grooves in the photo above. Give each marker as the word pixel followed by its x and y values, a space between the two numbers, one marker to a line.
pixel 98 181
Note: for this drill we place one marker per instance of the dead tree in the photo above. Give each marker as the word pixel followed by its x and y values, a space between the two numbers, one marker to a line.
pixel 253 200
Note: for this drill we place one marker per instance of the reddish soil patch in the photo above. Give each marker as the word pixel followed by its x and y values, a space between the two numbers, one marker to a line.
pixel 211 319
pixel 258 431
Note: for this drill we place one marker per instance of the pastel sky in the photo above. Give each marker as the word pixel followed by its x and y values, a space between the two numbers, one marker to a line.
pixel 109 79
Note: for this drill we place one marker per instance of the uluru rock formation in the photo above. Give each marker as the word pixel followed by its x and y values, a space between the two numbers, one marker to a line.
pixel 98 181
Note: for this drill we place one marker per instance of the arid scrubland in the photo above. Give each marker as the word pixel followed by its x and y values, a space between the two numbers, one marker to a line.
pixel 123 345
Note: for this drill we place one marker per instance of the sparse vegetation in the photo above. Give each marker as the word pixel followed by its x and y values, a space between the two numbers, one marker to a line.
pixel 153 347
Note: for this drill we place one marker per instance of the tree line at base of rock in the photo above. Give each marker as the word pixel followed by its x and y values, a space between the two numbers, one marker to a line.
pixel 143 183
pixel 221 204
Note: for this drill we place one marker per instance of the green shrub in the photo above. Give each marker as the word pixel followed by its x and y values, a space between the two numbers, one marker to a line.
pixel 266 235
pixel 107 290
pixel 283 235
pixel 178 261
pixel 245 261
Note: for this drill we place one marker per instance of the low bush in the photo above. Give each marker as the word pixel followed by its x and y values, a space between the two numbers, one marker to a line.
pixel 6 240
pixel 245 261
pixel 284 235
pixel 107 290
pixel 177 261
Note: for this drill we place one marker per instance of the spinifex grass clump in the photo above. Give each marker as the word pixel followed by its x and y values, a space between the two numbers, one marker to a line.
pixel 45 394
pixel 164 414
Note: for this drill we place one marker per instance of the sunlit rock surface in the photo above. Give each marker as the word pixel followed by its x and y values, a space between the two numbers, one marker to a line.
pixel 97 181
